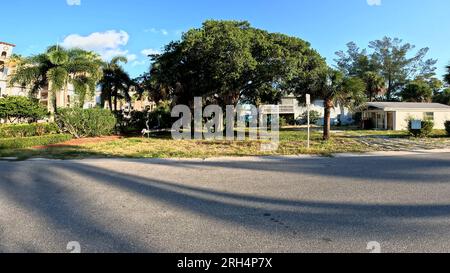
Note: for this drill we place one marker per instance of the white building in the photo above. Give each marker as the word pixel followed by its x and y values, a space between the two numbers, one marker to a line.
pixel 396 115
pixel 290 107
pixel 6 69
pixel 65 98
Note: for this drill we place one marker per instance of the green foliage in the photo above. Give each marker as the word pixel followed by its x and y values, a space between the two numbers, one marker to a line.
pixel 314 117
pixel 115 83
pixel 18 108
pixel 447 76
pixel 159 118
pixel 417 91
pixel 86 122
pixel 447 127
pixel 226 61
pixel 26 142
pixel 334 88
pixel 442 96
pixel 390 58
pixel 283 122
pixel 28 130
pixel 427 129
pixel 56 67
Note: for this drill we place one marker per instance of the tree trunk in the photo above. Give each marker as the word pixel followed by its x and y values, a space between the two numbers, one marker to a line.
pixel 110 103
pixel 115 103
pixel 54 103
pixel 389 91
pixel 328 104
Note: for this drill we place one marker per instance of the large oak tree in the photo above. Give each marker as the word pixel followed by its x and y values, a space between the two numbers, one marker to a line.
pixel 229 61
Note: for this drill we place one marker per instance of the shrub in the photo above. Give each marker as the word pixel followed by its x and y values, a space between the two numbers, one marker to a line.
pixel 447 127
pixel 137 120
pixel 427 129
pixel 26 142
pixel 314 117
pixel 161 117
pixel 86 122
pixel 28 130
pixel 18 108
pixel 283 121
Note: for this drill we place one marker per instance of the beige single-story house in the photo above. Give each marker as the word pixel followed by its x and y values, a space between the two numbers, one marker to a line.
pixel 395 115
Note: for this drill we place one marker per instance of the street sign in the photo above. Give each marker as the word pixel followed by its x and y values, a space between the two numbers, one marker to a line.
pixel 308 99
pixel 416 124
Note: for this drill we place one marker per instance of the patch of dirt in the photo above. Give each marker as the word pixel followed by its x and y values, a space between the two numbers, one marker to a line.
pixel 81 141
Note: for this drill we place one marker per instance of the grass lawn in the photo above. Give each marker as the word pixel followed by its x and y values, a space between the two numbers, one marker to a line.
pixel 292 142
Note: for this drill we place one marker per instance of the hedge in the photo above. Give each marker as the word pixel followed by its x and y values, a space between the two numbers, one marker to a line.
pixel 18 108
pixel 28 130
pixel 26 142
pixel 86 122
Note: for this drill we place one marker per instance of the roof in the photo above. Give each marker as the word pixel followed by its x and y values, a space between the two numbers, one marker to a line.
pixel 8 44
pixel 393 106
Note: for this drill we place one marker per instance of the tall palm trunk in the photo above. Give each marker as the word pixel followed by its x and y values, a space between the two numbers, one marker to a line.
pixel 54 102
pixel 110 103
pixel 327 119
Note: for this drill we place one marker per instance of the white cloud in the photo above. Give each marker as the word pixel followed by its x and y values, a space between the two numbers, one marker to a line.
pixel 374 2
pixel 108 44
pixel 150 51
pixel 73 2
pixel 138 63
pixel 157 31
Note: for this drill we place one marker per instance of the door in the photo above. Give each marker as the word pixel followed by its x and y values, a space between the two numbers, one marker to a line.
pixel 390 120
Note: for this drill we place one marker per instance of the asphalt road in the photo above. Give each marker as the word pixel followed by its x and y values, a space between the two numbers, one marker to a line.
pixel 241 205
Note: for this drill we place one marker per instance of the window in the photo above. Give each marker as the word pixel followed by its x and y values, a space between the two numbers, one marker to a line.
pixel 428 116
pixel 4 54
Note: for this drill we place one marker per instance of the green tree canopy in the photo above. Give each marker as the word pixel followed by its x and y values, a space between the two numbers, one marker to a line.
pixel 334 88
pixel 57 67
pixel 115 83
pixel 447 76
pixel 417 91
pixel 228 61
pixel 390 58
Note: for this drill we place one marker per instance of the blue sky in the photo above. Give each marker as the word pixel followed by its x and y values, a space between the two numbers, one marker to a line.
pixel 135 27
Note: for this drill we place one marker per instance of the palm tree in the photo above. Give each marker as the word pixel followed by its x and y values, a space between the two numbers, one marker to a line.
pixel 335 89
pixel 57 67
pixel 115 82
pixel 375 84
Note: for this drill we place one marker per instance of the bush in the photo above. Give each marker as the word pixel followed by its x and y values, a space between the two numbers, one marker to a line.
pixel 283 122
pixel 427 129
pixel 18 108
pixel 447 127
pixel 314 117
pixel 86 122
pixel 26 142
pixel 28 130
pixel 159 118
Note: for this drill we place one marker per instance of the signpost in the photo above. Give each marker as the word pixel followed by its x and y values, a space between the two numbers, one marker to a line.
pixel 308 103
pixel 416 124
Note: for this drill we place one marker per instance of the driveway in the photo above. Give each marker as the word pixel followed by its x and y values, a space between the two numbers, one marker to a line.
pixel 386 143
pixel 227 205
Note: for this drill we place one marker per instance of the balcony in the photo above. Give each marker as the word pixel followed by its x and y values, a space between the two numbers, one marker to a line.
pixel 283 109
pixel 287 109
